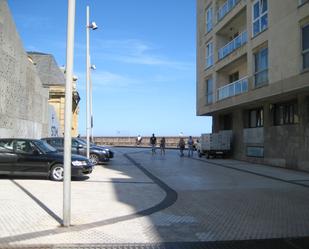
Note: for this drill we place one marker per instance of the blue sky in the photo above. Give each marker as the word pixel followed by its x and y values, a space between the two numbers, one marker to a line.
pixel 144 52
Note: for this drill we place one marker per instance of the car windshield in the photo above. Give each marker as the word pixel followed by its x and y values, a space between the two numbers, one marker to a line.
pixel 44 146
pixel 84 142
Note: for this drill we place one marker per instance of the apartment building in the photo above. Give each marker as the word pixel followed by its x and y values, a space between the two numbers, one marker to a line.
pixel 253 77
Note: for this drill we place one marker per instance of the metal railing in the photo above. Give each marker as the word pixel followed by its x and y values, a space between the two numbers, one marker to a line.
pixel 233 45
pixel 235 88
pixel 226 8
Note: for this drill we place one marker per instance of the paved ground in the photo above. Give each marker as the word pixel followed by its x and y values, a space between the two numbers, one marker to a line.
pixel 152 200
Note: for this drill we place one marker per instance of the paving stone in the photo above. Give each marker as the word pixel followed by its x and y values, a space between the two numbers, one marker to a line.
pixel 213 204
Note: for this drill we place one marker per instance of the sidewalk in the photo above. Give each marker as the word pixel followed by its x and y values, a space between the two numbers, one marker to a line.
pixel 139 198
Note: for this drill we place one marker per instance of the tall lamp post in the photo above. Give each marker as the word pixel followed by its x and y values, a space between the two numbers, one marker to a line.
pixel 68 116
pixel 93 67
pixel 89 26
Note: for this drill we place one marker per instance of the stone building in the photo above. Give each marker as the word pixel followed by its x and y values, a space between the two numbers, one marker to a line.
pixel 53 77
pixel 24 106
pixel 253 77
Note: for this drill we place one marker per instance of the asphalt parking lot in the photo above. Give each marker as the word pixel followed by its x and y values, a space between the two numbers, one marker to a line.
pixel 142 200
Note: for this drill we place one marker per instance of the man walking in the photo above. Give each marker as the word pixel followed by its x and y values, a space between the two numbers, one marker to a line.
pixel 162 146
pixel 181 145
pixel 190 146
pixel 153 143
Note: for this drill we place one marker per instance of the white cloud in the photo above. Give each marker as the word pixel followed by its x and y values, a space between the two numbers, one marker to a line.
pixel 111 79
pixel 108 80
pixel 134 51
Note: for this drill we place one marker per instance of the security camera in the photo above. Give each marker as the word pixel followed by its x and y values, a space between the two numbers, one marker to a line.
pixel 93 67
pixel 93 26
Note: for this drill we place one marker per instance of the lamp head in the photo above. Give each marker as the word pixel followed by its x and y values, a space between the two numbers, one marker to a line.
pixel 93 67
pixel 93 26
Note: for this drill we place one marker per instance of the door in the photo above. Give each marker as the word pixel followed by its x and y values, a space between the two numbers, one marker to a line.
pixel 7 157
pixel 30 161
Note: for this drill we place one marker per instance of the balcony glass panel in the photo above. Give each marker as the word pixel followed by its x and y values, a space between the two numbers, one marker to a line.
pixel 235 88
pixel 226 8
pixel 233 45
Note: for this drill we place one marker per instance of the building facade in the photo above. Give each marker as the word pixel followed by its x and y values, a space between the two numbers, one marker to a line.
pixel 23 98
pixel 253 77
pixel 53 78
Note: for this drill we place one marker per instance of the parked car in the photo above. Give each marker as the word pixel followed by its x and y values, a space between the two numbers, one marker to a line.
pixel 36 157
pixel 96 156
pixel 110 153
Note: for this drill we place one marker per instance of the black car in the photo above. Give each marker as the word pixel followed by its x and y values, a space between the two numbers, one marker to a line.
pixel 110 153
pixel 36 157
pixel 96 156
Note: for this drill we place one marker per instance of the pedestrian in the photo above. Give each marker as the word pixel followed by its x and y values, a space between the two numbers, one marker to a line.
pixel 190 146
pixel 162 146
pixel 139 140
pixel 153 143
pixel 181 146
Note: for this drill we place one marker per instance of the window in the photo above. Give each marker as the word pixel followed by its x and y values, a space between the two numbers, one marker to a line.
pixel 226 122
pixel 261 67
pixel 259 16
pixel 209 90
pixel 6 146
pixel 286 113
pixel 75 143
pixel 209 19
pixel 256 118
pixel 55 142
pixel 23 146
pixel 305 46
pixel 234 77
pixel 209 55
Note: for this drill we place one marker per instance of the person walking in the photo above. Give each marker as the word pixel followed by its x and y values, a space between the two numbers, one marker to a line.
pixel 190 146
pixel 162 146
pixel 181 146
pixel 139 140
pixel 153 143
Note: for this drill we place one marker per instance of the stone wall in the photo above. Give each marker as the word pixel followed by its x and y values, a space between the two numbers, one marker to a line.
pixel 23 100
pixel 170 141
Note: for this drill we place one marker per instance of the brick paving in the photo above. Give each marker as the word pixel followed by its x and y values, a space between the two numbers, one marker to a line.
pixel 150 200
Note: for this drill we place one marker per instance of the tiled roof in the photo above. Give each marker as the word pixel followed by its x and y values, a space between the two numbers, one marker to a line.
pixel 47 68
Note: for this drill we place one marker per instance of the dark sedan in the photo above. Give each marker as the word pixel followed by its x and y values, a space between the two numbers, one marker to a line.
pixel 36 157
pixel 109 152
pixel 96 154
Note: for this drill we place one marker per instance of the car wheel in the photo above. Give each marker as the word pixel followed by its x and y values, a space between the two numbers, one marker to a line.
pixel 56 172
pixel 94 159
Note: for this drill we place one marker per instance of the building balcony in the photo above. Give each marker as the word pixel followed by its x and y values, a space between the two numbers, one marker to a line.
pixel 236 43
pixel 225 8
pixel 233 89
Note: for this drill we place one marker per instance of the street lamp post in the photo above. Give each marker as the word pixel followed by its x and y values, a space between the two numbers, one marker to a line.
pixel 92 26
pixel 93 67
pixel 68 116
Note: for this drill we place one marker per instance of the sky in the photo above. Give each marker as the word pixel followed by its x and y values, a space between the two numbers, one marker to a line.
pixel 145 55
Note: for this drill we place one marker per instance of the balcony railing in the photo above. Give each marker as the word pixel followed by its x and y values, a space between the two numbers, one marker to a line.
pixel 226 8
pixel 233 45
pixel 235 88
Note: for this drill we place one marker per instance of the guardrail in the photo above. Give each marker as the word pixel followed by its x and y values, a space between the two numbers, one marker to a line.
pixel 226 8
pixel 235 88
pixel 233 45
